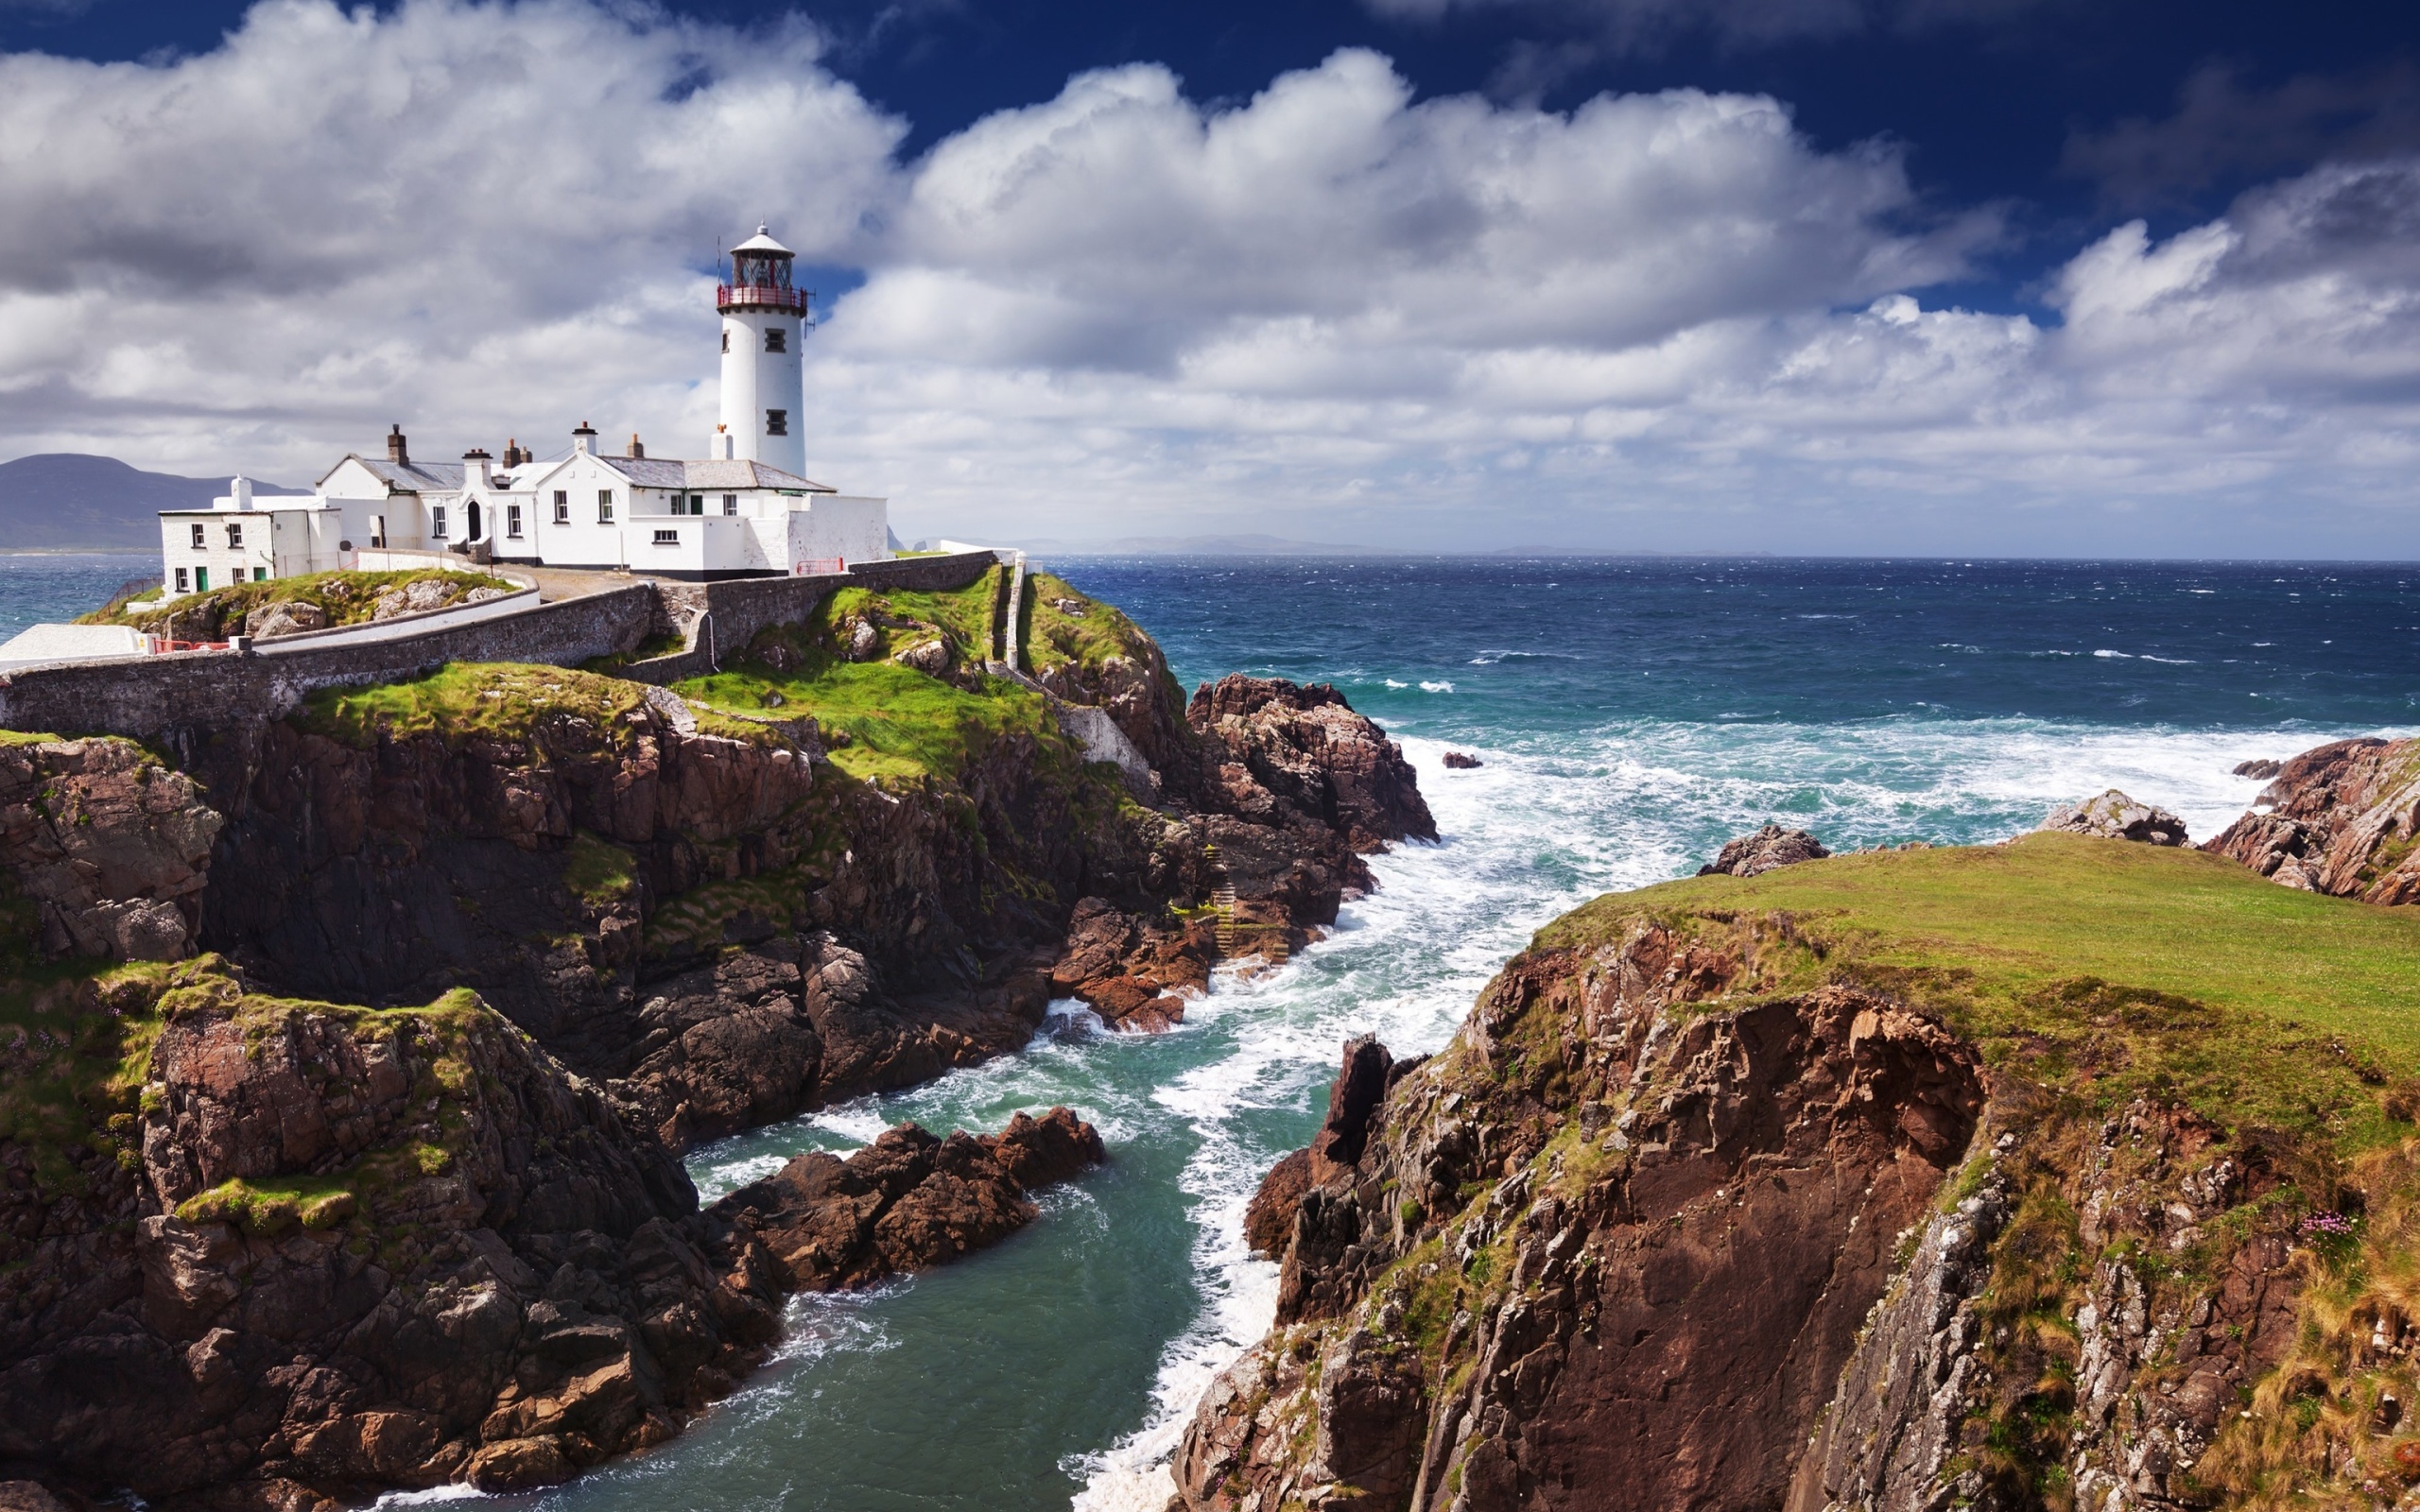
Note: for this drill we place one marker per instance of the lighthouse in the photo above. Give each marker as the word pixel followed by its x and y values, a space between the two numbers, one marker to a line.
pixel 764 324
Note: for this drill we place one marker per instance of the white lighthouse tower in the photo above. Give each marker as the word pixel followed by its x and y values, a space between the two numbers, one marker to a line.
pixel 764 324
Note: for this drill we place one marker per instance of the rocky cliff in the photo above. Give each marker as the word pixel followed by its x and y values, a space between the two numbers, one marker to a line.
pixel 1753 1193
pixel 345 1059
pixel 2342 818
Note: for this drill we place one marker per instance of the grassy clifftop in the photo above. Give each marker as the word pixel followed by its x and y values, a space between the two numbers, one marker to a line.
pixel 2095 966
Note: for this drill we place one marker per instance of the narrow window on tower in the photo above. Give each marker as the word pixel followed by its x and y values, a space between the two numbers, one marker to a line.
pixel 777 423
pixel 604 507
pixel 776 339
pixel 562 507
pixel 726 338
pixel 201 542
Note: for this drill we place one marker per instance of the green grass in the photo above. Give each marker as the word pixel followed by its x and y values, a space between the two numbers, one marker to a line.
pixel 895 724
pixel 2091 965
pixel 348 598
pixel 599 872
pixel 492 699
pixel 900 724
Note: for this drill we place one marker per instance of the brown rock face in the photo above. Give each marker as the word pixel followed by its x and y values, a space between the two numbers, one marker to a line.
pixel 2340 819
pixel 1753 856
pixel 364 1250
pixel 907 1202
pixel 1764 1162
pixel 111 849
pixel 1273 746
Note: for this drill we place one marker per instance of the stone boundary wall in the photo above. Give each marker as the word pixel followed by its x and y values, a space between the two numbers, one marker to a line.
pixel 144 698
pixel 722 618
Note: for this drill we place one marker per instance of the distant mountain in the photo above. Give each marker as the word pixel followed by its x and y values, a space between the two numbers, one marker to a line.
pixel 67 501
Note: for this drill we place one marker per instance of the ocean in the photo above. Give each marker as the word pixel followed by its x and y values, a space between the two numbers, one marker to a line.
pixel 1631 716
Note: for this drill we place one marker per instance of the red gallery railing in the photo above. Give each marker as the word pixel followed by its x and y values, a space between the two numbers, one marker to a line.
pixel 759 296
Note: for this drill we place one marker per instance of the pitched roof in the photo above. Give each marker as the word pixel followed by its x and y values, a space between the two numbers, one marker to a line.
pixel 407 477
pixel 668 472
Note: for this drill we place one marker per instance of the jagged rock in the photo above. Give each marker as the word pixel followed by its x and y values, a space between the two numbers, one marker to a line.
pixel 1753 856
pixel 416 597
pixel 111 849
pixel 907 1202
pixel 2341 819
pixel 1668 1326
pixel 1269 1220
pixel 2112 815
pixel 1462 761
pixel 286 617
pixel 2259 768
pixel 1270 742
pixel 29 1496
pixel 1135 973
pixel 931 657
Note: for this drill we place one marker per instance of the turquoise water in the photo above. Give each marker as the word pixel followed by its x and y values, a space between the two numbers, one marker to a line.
pixel 1631 716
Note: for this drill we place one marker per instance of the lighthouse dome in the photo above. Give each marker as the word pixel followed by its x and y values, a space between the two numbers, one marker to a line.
pixel 764 243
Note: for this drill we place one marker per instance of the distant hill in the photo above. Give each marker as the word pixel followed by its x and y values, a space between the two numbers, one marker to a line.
pixel 67 501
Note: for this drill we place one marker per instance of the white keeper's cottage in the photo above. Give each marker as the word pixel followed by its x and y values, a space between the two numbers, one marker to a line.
pixel 743 510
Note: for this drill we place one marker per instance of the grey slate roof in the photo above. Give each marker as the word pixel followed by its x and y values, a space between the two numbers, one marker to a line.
pixel 668 472
pixel 412 477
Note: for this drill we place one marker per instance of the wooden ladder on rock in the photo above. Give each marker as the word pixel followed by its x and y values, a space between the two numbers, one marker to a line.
pixel 1237 939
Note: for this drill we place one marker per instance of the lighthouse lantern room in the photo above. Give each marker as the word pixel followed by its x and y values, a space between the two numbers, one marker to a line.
pixel 765 321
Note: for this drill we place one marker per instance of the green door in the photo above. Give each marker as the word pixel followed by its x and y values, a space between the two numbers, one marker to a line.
pixel 202 579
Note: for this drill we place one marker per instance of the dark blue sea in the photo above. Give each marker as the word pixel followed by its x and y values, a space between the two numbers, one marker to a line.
pixel 1631 715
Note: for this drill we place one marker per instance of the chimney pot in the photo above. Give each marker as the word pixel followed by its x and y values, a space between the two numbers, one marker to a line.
pixel 397 449
pixel 636 449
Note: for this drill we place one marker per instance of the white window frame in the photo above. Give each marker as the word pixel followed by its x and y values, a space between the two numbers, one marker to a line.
pixel 562 507
pixel 513 522
pixel 234 535
pixel 604 507
pixel 183 580
pixel 730 504
pixel 201 536
pixel 437 522
pixel 668 538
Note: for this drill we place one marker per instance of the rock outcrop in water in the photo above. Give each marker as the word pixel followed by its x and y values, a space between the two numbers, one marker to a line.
pixel 1704 1206
pixel 909 1201
pixel 2342 818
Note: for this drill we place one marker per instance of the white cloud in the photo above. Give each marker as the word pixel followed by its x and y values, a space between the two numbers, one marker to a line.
pixel 1327 311
pixel 474 216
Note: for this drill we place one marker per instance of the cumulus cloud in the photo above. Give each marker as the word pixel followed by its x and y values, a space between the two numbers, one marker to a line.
pixel 1327 310
pixel 339 217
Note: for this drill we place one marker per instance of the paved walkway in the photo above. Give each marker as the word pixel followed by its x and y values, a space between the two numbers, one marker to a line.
pixel 555 584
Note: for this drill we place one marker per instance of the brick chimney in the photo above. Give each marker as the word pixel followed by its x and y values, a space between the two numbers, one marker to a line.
pixel 636 449
pixel 397 451
pixel 513 455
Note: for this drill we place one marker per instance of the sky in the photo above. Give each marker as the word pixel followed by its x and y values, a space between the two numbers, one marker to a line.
pixel 1910 277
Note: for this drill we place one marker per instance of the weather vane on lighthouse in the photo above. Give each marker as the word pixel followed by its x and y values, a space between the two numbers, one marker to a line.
pixel 765 321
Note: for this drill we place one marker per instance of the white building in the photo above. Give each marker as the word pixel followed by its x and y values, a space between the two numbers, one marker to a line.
pixel 743 511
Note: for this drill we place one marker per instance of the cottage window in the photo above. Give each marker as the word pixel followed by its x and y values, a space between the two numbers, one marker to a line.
pixel 234 537
pixel 777 339
pixel 201 542
pixel 604 507
pixel 437 523
pixel 513 521
pixel 668 538
pixel 777 423
pixel 562 507
pixel 730 503
pixel 183 580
